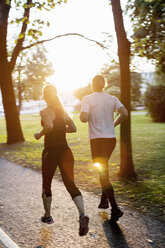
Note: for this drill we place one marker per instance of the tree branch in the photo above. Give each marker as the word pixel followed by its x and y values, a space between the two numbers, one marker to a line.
pixel 18 47
pixel 63 35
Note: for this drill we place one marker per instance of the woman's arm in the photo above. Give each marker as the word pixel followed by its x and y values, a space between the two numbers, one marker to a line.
pixel 70 126
pixel 47 119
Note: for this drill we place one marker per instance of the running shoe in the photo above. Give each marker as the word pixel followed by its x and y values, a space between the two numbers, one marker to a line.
pixel 103 204
pixel 116 214
pixel 83 230
pixel 48 220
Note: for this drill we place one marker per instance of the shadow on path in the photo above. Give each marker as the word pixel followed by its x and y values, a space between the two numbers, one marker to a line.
pixel 114 234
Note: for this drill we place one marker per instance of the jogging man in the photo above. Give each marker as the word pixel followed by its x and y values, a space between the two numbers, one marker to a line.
pixel 98 110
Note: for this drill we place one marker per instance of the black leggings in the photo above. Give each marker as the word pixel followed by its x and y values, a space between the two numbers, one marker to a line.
pixel 59 156
pixel 101 150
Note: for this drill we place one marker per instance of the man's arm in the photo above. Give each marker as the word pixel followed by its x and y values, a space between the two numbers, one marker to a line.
pixel 123 114
pixel 48 124
pixel 84 116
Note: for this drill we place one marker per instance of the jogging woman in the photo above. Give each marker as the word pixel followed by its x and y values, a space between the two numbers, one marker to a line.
pixel 56 123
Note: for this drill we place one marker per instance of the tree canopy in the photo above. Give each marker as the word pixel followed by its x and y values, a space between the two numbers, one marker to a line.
pixel 148 18
pixel 25 18
pixel 112 76
pixel 30 74
pixel 155 102
pixel 83 91
pixel 27 30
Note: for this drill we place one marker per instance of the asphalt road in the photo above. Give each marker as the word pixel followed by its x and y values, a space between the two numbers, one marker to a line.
pixel 21 209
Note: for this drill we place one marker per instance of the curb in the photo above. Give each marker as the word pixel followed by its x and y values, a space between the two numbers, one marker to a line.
pixel 6 241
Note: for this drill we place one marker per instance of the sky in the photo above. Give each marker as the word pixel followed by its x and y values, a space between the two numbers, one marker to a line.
pixel 75 60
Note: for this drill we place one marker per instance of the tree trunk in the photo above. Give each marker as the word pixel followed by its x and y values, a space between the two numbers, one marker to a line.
pixel 19 88
pixel 14 131
pixel 19 99
pixel 126 160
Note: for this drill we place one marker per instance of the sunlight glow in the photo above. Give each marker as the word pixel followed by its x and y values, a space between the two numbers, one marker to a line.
pixel 98 165
pixel 76 61
pixel 75 64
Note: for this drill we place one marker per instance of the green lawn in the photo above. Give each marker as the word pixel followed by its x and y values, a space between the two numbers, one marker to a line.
pixel 146 193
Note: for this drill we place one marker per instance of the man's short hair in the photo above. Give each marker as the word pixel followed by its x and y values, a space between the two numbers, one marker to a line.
pixel 98 83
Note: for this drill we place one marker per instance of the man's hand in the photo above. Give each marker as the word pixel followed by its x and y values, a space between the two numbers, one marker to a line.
pixel 123 114
pixel 37 136
pixel 84 117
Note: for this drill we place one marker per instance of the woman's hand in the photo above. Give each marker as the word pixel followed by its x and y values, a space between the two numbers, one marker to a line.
pixel 66 117
pixel 37 136
pixel 70 126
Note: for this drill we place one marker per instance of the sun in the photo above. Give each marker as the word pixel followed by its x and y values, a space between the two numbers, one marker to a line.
pixel 75 62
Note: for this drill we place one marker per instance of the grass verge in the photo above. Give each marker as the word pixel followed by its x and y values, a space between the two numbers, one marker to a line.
pixel 146 193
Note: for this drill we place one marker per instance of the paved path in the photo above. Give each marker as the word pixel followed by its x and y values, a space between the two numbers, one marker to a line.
pixel 21 209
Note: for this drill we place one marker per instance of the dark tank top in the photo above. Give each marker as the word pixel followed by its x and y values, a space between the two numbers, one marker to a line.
pixel 57 136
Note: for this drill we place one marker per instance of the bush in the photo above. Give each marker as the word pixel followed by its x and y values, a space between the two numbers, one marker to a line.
pixel 155 102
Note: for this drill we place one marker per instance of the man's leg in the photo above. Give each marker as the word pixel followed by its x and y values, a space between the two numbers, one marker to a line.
pixel 96 157
pixel 106 185
pixel 101 150
pixel 103 201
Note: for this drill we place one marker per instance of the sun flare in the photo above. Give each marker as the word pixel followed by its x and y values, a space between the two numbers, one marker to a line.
pixel 75 64
pixel 98 165
pixel 77 60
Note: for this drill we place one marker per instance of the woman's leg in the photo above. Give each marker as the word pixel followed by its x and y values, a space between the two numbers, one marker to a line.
pixel 49 165
pixel 48 169
pixel 67 172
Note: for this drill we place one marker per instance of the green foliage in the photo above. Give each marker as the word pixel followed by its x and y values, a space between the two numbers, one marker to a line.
pixel 21 36
pixel 113 90
pixel 83 91
pixel 148 18
pixel 30 74
pixel 159 78
pixel 7 2
pixel 34 25
pixel 112 76
pixel 155 102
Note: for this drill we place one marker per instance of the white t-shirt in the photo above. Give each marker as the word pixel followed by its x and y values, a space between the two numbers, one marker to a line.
pixel 101 107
